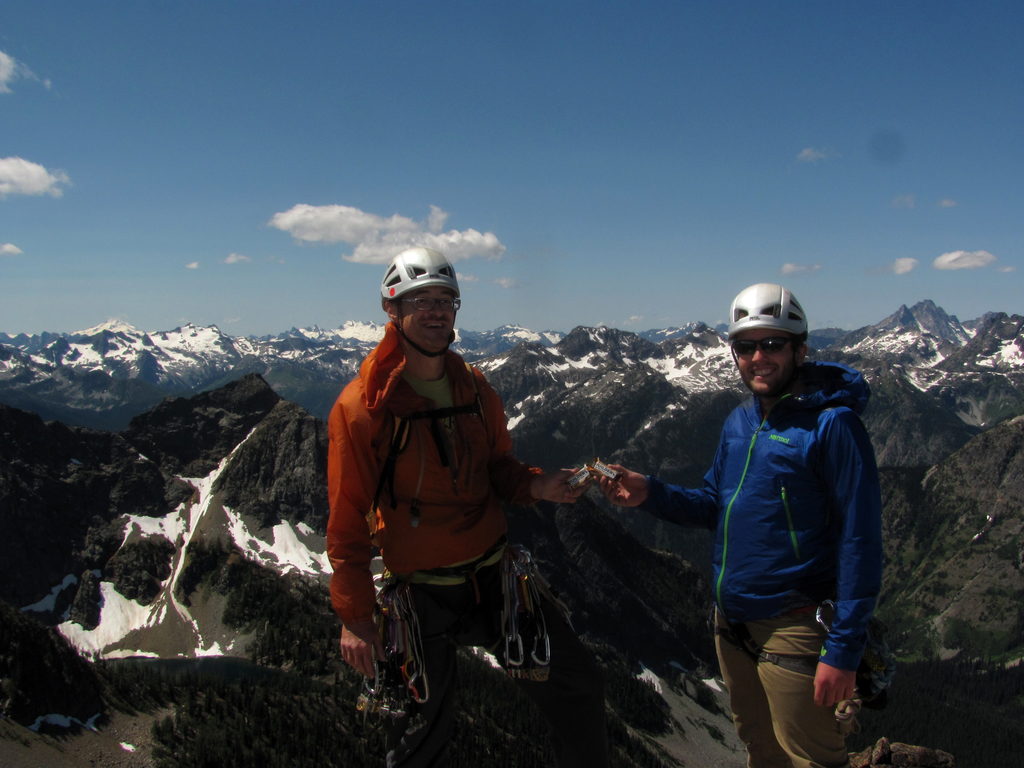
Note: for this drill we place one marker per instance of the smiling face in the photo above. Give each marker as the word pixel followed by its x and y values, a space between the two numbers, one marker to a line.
pixel 431 328
pixel 769 375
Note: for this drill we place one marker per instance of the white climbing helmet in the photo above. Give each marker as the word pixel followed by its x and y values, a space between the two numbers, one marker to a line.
pixel 414 268
pixel 766 305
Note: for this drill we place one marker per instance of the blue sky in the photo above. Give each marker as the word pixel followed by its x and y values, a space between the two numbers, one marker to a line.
pixel 253 165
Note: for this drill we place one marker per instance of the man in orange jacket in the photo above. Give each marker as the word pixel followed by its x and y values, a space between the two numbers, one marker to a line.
pixel 419 463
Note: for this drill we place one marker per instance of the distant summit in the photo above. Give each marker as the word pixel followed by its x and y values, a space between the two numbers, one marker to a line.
pixel 110 326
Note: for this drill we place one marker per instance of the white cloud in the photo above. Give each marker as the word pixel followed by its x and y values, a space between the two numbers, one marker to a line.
pixel 337 223
pixel 811 155
pixel 9 249
pixel 11 69
pixel 464 278
pixel 8 71
pixel 963 260
pixel 192 265
pixel 904 201
pixel 506 282
pixel 799 269
pixel 23 177
pixel 1006 268
pixel 378 238
pixel 947 203
pixel 436 220
pixel 236 258
pixel 904 265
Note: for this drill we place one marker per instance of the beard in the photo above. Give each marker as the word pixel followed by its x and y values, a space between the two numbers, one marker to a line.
pixel 780 382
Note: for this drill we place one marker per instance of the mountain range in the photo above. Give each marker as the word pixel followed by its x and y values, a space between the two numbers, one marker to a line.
pixel 162 496
pixel 103 376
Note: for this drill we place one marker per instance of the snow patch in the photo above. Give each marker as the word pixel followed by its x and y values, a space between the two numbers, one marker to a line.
pixel 650 678
pixel 287 551
pixel 714 685
pixel 63 721
pixel 49 602
pixel 118 617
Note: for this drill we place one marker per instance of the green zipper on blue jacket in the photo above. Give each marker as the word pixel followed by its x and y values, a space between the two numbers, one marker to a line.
pixel 789 521
pixel 735 495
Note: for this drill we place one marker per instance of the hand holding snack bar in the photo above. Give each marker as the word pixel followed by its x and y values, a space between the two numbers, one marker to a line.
pixel 624 488
pixel 596 470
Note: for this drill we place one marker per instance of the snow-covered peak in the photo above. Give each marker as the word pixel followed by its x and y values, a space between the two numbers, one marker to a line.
pixel 360 331
pixel 110 326
pixel 350 330
pixel 518 334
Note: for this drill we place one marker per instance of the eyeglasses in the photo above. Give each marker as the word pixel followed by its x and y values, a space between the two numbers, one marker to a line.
pixel 426 304
pixel 769 345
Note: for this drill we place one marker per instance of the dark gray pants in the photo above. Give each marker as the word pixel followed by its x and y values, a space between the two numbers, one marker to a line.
pixel 571 700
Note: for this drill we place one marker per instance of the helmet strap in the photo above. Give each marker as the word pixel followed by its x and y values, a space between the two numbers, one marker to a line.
pixel 796 370
pixel 417 347
pixel 427 352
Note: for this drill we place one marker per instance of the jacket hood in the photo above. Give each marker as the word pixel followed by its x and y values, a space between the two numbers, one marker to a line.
pixel 828 385
pixel 382 369
pixel 381 374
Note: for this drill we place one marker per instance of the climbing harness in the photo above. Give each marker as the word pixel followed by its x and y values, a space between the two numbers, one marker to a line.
pixel 400 678
pixel 737 634
pixel 524 647
pixel 874 673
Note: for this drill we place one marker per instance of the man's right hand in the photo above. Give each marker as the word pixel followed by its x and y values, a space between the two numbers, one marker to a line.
pixel 360 645
pixel 629 490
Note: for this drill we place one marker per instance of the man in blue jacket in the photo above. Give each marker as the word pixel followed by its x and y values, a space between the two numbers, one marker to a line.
pixel 794 500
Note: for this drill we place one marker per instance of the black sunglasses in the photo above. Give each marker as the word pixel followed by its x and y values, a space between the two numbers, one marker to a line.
pixel 746 347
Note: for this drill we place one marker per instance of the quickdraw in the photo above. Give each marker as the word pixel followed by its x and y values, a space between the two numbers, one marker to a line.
pixel 400 677
pixel 527 644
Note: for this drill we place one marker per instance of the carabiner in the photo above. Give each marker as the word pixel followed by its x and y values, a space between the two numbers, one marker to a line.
pixel 819 614
pixel 517 662
pixel 547 650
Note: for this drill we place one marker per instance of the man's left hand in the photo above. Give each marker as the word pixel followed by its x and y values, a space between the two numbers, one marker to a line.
pixel 554 486
pixel 832 685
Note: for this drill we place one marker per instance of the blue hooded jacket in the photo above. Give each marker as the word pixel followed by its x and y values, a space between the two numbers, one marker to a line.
pixel 795 503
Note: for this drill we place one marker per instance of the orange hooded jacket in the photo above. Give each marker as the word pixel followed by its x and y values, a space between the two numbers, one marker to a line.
pixel 457 515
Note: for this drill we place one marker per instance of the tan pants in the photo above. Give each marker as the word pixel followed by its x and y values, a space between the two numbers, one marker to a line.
pixel 773 708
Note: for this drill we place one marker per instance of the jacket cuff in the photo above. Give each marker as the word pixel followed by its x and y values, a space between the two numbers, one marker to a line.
pixel 655 495
pixel 840 658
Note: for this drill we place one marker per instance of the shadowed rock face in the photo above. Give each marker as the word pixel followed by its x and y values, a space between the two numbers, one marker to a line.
pixel 189 437
pixel 954 538
pixel 41 674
